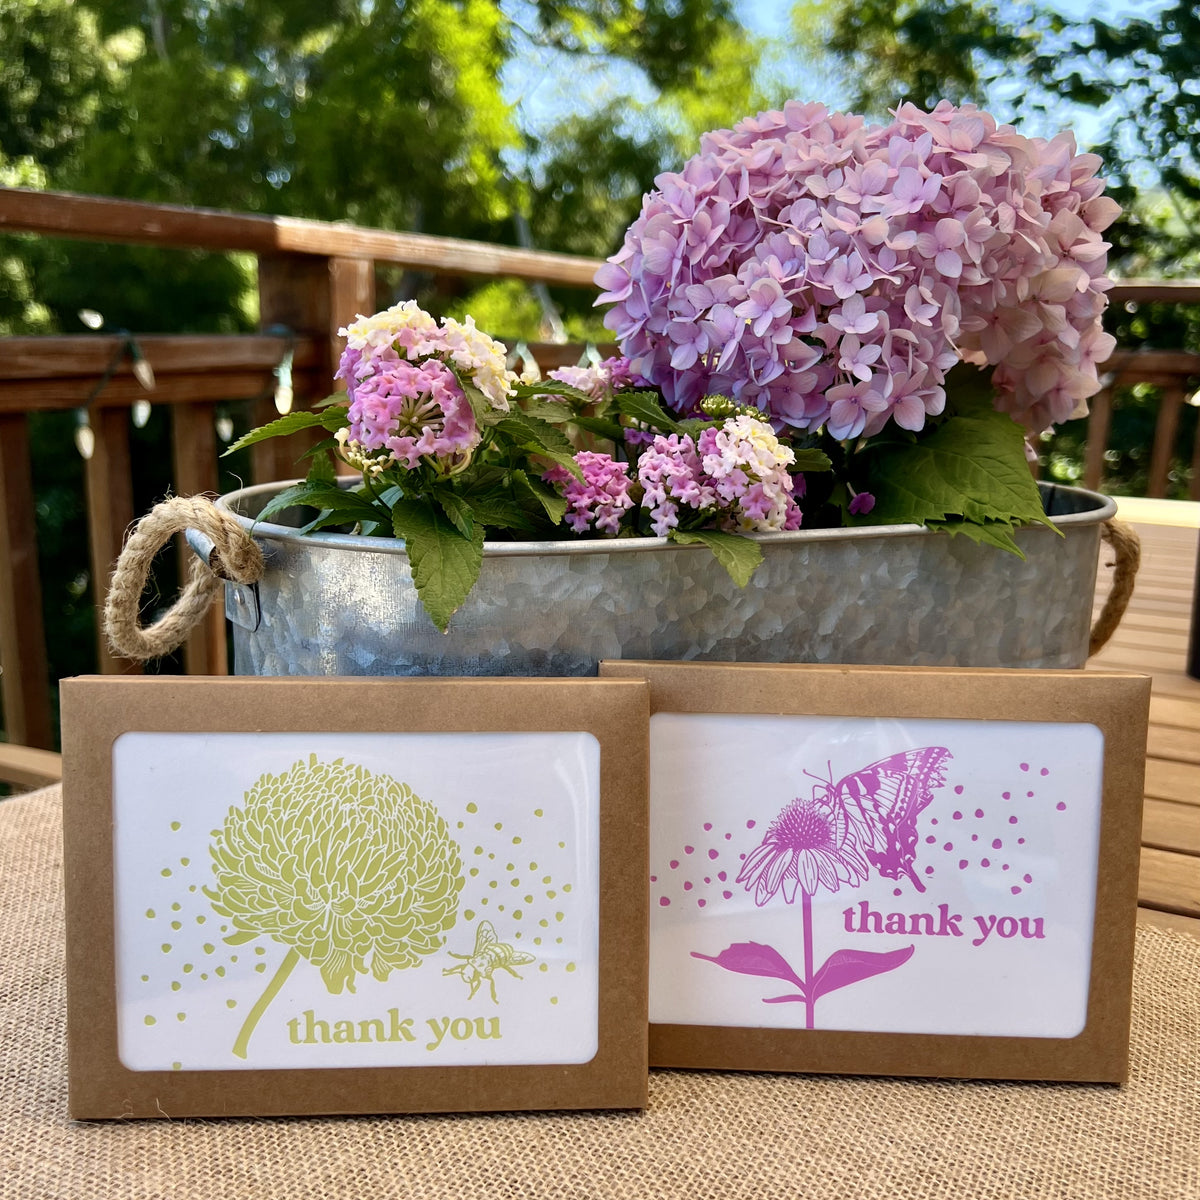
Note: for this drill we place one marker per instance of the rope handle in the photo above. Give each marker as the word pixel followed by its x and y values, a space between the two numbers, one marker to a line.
pixel 235 555
pixel 1127 551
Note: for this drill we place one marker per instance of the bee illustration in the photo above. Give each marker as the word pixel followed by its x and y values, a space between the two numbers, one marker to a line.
pixel 489 955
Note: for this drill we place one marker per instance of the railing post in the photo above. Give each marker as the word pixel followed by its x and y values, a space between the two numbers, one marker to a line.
pixel 194 467
pixel 108 478
pixel 314 296
pixel 1099 423
pixel 1164 437
pixel 25 679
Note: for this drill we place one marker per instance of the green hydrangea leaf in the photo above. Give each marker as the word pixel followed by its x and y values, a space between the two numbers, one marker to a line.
pixel 554 411
pixel 738 555
pixel 445 565
pixel 970 468
pixel 988 533
pixel 293 422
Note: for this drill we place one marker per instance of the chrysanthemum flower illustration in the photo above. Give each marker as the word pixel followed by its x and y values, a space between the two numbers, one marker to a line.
pixel 340 865
pixel 807 846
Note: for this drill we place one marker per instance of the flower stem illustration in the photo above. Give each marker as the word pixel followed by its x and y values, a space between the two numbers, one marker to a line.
pixel 349 870
pixel 867 819
pixel 262 1003
pixel 810 1001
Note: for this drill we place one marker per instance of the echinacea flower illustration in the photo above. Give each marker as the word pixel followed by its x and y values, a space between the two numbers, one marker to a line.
pixel 866 819
pixel 349 869
pixel 808 846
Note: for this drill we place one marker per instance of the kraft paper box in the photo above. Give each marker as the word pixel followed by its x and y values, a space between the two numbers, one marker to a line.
pixel 301 896
pixel 892 870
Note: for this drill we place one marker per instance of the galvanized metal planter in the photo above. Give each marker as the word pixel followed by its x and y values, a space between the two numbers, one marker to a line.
pixel 334 604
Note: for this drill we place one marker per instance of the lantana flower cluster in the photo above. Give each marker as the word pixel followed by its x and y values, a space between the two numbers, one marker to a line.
pixel 598 501
pixel 733 476
pixel 402 371
pixel 600 380
pixel 829 273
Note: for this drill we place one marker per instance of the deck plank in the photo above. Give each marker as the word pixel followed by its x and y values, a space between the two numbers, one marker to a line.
pixel 1169 881
pixel 1153 640
pixel 1167 825
pixel 1169 920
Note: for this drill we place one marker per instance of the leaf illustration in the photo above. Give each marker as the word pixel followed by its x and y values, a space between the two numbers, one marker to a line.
pixel 844 967
pixel 751 958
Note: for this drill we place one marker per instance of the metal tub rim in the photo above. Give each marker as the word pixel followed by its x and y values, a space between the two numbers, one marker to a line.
pixel 1099 508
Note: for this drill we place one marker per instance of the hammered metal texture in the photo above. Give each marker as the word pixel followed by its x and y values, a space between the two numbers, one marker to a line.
pixel 900 596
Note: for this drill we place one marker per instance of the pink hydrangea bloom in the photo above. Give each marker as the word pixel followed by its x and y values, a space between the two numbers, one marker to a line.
pixel 829 272
pixel 599 502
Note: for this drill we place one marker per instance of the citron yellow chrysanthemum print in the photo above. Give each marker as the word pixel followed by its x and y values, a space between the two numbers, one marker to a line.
pixel 350 870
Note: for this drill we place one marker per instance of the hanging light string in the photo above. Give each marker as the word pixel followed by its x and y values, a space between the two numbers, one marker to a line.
pixel 280 388
pixel 143 372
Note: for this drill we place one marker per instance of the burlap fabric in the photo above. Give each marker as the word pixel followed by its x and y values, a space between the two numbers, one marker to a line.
pixel 704 1135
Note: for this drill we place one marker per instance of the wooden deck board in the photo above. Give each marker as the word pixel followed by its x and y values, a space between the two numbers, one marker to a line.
pixel 1153 639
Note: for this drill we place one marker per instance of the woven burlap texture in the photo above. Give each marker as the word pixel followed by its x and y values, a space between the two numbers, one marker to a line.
pixel 704 1135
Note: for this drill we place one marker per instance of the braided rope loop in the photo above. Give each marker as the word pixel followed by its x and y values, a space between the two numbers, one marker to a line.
pixel 237 555
pixel 1127 551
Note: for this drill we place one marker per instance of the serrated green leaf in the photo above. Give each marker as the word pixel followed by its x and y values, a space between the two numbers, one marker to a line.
pixel 458 510
pixel 445 565
pixel 499 510
pixel 738 555
pixel 989 533
pixel 548 410
pixel 553 504
pixel 969 390
pixel 527 430
pixel 970 467
pixel 646 408
pixel 322 496
pixel 566 461
pixel 613 430
pixel 811 460
pixel 481 406
pixel 328 443
pixel 321 469
pixel 293 422
pixel 550 387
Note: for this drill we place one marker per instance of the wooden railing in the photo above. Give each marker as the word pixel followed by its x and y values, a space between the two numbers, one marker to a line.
pixel 313 278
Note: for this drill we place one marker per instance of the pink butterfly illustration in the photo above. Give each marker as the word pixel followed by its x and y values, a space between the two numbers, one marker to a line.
pixel 882 803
